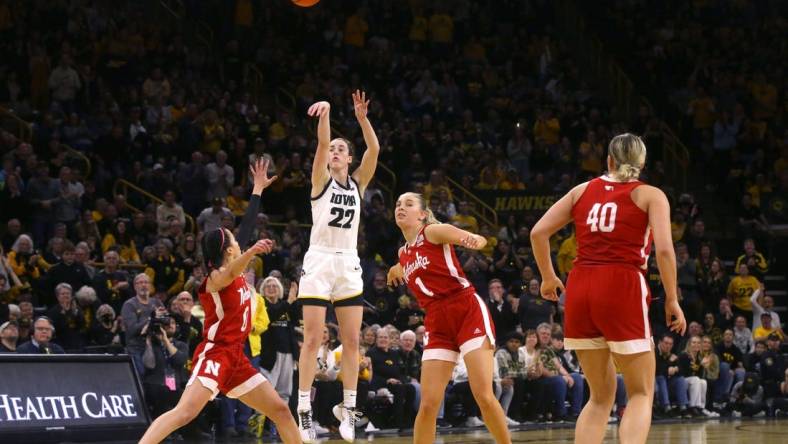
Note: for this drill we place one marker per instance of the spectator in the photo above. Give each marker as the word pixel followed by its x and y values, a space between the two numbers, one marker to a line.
pixel 381 301
pixel 532 309
pixel 106 330
pixel 64 82
pixel 112 284
pixel 710 328
pixel 43 329
pixel 756 262
pixel 387 373
pixel 747 396
pixel 753 361
pixel 9 335
pixel 189 253
pixel 464 219
pixel 513 368
pixel 767 329
pixel 66 271
pixel 669 380
pixel 168 212
pixel 220 177
pixel 772 367
pixel 725 318
pixel 408 315
pixel 163 359
pixel 136 314
pixel 67 205
pixel 43 193
pixel 742 336
pixel 501 311
pixel 741 288
pixel 279 350
pixel 731 363
pixel 762 303
pixel 714 283
pixel 556 379
pixel 121 239
pixel 67 319
pixel 193 179
pixel 411 360
pixel 211 217
pixel 26 262
pixel 711 364
pixel 692 367
pixel 189 327
pixel 88 304
pixel 164 271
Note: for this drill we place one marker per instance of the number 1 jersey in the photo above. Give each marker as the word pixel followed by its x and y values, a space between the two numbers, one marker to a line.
pixel 610 228
pixel 335 216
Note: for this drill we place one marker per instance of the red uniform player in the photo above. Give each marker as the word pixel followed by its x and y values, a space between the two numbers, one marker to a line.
pixel 607 299
pixel 220 363
pixel 457 322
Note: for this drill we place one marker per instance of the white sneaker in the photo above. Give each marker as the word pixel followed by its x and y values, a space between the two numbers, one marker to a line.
pixel 473 421
pixel 320 430
pixel 371 428
pixel 306 427
pixel 736 414
pixel 710 414
pixel 347 421
pixel 511 422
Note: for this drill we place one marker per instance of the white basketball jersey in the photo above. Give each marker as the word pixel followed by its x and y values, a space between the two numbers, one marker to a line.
pixel 335 216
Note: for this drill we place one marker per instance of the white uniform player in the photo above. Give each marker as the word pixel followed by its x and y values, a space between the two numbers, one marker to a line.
pixel 331 270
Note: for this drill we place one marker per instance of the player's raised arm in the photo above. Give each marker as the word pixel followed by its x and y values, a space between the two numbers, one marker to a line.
pixel 553 220
pixel 322 110
pixel 259 172
pixel 449 234
pixel 369 162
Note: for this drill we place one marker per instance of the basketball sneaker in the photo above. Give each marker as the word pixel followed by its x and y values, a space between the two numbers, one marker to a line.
pixel 306 427
pixel 347 421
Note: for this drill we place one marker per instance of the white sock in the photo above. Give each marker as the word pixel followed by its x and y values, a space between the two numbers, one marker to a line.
pixel 349 398
pixel 304 402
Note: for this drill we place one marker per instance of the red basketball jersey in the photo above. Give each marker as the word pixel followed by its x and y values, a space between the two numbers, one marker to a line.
pixel 432 271
pixel 610 228
pixel 228 312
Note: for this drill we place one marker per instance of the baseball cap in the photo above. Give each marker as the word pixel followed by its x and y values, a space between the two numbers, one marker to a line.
pixel 771 337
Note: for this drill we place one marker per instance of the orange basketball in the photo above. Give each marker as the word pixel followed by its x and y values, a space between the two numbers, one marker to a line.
pixel 305 3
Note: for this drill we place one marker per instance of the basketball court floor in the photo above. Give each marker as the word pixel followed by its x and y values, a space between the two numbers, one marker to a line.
pixel 717 432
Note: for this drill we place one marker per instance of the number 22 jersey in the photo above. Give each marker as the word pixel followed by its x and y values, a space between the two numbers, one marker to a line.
pixel 336 212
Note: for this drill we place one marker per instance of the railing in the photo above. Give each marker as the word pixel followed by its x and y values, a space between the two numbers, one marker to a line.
pixel 481 210
pixel 80 157
pixel 590 52
pixel 19 127
pixel 201 31
pixel 124 187
pixel 282 96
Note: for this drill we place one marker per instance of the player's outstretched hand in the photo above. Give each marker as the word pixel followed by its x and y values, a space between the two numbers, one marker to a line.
pixel 263 246
pixel 550 287
pixel 360 105
pixel 259 171
pixel 319 109
pixel 679 324
pixel 396 276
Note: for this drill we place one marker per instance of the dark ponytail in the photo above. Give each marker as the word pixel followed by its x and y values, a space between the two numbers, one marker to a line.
pixel 213 245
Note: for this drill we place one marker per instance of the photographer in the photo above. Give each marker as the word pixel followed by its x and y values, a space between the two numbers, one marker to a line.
pixel 747 396
pixel 163 359
pixel 136 314
pixel 106 328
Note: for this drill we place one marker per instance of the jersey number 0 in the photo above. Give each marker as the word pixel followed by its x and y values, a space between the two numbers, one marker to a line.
pixel 602 217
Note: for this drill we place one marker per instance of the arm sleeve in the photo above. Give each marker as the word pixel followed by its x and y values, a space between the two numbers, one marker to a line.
pixel 247 223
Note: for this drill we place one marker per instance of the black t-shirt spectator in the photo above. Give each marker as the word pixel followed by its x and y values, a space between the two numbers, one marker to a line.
pixel 279 337
pixel 663 362
pixel 772 366
pixel 385 365
pixel 385 302
pixel 689 366
pixel 533 311
pixel 731 355
pixel 104 283
pixel 402 320
pixel 74 274
pixel 189 332
pixel 504 319
pixel 68 327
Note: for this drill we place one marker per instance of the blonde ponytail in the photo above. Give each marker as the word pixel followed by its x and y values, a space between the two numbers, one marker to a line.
pixel 629 155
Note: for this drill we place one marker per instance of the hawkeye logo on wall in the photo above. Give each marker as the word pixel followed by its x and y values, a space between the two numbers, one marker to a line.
pixel 88 405
pixel 524 203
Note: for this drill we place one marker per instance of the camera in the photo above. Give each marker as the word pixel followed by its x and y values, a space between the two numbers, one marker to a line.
pixel 157 322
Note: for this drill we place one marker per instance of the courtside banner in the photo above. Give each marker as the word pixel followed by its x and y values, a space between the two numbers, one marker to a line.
pixel 77 398
pixel 519 201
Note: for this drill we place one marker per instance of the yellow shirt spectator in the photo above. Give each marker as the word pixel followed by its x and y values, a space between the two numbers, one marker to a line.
pixel 441 28
pixel 762 333
pixel 547 131
pixel 468 222
pixel 567 254
pixel 418 29
pixel 702 111
pixel 259 326
pixel 740 289
pixel 355 31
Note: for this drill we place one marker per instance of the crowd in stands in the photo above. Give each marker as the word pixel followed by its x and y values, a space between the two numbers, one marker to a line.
pixel 483 93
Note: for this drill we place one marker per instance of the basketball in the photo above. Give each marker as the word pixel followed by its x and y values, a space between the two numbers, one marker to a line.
pixel 305 3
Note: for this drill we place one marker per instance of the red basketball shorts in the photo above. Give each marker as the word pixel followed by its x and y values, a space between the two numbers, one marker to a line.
pixel 455 326
pixel 606 306
pixel 224 368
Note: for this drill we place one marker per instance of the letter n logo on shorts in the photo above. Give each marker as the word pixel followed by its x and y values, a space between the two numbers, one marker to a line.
pixel 212 367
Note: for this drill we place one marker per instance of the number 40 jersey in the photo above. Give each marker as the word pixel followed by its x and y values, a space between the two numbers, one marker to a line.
pixel 610 228
pixel 336 212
